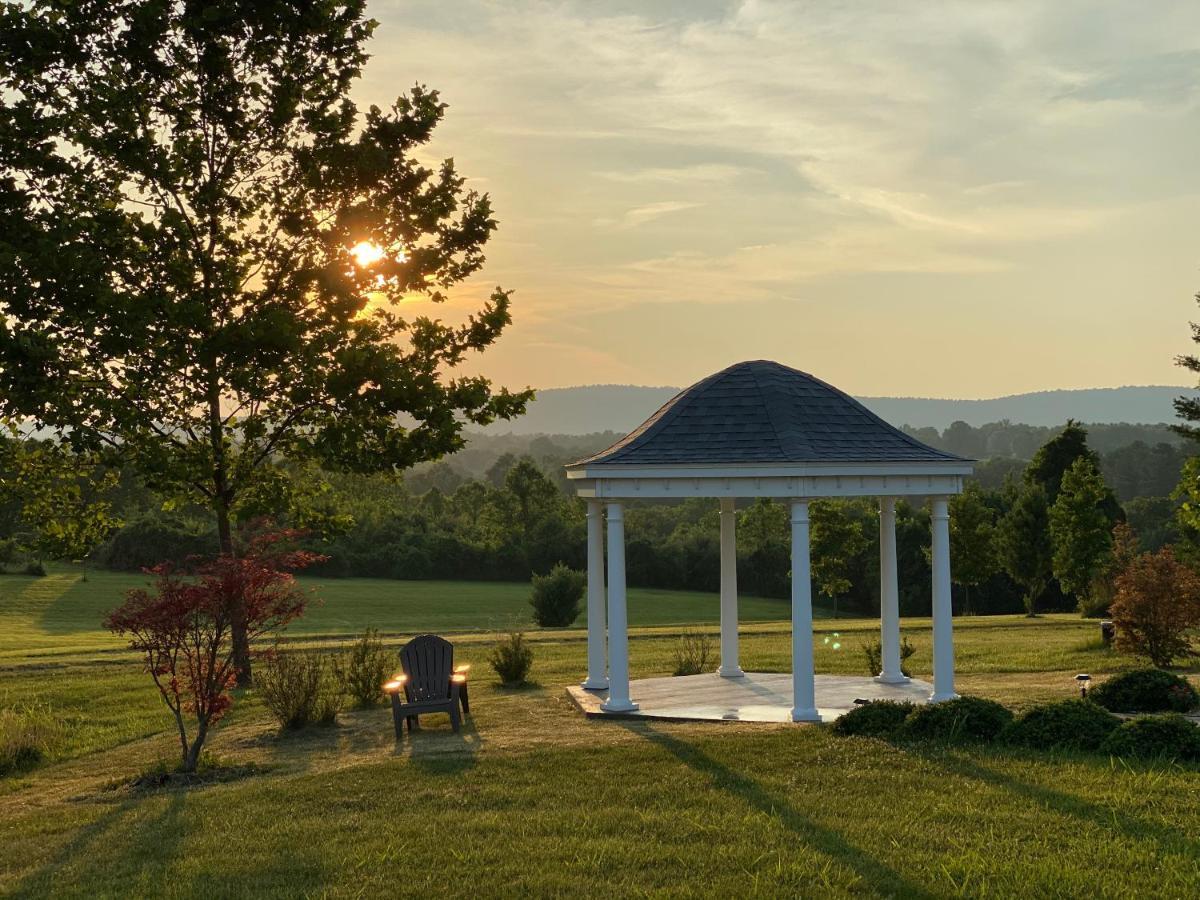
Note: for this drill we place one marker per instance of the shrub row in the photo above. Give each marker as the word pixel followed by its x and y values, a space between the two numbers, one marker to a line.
pixel 1075 725
pixel 1146 690
pixel 958 720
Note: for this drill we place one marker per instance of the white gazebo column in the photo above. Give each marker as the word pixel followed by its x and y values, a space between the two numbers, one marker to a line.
pixel 804 695
pixel 889 596
pixel 597 677
pixel 618 637
pixel 729 602
pixel 943 629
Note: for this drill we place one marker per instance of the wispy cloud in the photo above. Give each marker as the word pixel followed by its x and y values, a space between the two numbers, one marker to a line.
pixel 658 153
pixel 648 212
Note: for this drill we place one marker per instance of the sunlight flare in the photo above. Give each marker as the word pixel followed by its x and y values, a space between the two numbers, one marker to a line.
pixel 367 253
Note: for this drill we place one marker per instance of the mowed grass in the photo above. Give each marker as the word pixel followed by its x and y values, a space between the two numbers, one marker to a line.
pixel 62 613
pixel 532 799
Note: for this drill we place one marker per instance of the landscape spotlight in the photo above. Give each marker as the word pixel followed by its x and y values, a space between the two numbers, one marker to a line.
pixel 1083 680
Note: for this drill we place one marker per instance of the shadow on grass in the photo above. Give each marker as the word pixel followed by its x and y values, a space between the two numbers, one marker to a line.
pixel 146 845
pixel 1108 817
pixel 879 876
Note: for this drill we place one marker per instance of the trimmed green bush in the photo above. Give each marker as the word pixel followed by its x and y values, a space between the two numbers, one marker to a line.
pixel 879 718
pixel 28 734
pixel 1146 690
pixel 1169 736
pixel 512 658
pixel 961 719
pixel 1067 725
pixel 557 597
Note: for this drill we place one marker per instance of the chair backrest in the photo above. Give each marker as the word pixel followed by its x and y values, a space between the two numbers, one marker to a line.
pixel 428 661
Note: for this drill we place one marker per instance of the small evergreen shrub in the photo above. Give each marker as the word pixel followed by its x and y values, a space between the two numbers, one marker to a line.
pixel 299 688
pixel 879 718
pixel 28 735
pixel 36 569
pixel 873 651
pixel 693 652
pixel 512 658
pixel 1066 725
pixel 363 669
pixel 958 720
pixel 1146 690
pixel 1169 736
pixel 557 597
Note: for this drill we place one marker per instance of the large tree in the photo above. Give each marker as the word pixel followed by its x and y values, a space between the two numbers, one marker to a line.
pixel 204 242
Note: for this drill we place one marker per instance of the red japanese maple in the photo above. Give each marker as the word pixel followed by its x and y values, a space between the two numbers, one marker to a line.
pixel 183 626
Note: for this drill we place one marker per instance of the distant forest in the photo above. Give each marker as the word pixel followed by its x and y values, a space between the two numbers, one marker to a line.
pixel 502 509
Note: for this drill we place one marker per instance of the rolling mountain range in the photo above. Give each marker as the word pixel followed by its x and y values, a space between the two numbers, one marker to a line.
pixel 608 407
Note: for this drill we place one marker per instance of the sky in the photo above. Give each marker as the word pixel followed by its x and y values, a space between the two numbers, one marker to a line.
pixel 960 200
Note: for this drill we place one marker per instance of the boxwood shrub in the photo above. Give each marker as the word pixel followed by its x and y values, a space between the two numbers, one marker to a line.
pixel 1169 736
pixel 1146 690
pixel 1066 725
pixel 879 718
pixel 961 719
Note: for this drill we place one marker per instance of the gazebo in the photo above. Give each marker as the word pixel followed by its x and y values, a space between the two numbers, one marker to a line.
pixel 761 429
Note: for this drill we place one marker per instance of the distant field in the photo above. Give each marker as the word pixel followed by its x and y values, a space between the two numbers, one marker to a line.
pixel 60 612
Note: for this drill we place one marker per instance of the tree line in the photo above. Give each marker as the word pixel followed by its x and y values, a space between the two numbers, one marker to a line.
pixel 1040 540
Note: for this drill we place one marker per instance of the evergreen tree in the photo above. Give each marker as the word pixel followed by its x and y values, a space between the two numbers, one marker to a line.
pixel 972 537
pixel 1023 544
pixel 1188 408
pixel 1080 532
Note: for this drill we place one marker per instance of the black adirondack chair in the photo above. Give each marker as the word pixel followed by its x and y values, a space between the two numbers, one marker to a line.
pixel 430 683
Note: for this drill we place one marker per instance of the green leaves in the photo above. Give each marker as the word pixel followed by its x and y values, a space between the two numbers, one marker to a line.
pixel 180 190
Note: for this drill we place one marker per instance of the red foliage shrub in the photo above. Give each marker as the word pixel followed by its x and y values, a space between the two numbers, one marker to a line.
pixel 1156 607
pixel 183 626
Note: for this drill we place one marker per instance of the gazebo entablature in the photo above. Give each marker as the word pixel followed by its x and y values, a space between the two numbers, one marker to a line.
pixel 780 482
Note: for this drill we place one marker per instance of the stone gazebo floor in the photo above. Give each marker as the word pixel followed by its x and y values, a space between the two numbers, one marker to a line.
pixel 756 697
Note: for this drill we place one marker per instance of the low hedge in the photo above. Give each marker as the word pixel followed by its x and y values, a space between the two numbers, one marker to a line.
pixel 1066 725
pixel 961 719
pixel 1146 690
pixel 1169 736
pixel 879 718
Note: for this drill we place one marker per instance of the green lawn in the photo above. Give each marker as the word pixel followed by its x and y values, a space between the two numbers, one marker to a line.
pixel 532 799
pixel 61 613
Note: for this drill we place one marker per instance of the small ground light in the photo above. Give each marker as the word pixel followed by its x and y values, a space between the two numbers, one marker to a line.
pixel 1083 684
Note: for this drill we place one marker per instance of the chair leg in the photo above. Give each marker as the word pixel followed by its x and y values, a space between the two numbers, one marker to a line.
pixel 455 718
pixel 397 720
pixel 462 695
pixel 414 724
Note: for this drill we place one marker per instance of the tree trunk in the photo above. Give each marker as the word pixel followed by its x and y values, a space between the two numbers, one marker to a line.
pixel 237 623
pixel 191 758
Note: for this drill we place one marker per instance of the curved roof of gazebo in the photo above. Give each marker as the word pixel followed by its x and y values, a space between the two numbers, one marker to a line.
pixel 761 420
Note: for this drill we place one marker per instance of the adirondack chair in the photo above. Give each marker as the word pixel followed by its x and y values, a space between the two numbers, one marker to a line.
pixel 429 682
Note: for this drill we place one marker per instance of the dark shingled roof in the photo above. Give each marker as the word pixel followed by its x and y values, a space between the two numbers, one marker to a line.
pixel 763 412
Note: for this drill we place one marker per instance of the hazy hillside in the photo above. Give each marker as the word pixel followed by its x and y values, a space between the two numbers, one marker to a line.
pixel 584 410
